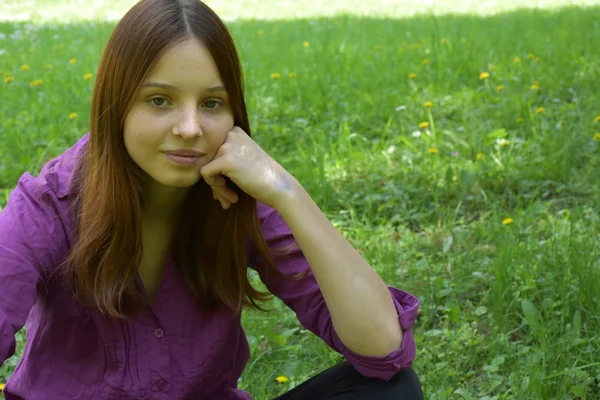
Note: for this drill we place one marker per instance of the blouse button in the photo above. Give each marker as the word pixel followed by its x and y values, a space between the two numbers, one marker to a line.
pixel 162 385
pixel 159 333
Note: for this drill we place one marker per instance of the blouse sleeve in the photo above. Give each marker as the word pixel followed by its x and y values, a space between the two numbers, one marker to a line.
pixel 31 239
pixel 305 299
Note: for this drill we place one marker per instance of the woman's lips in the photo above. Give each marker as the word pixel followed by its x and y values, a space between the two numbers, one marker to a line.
pixel 185 158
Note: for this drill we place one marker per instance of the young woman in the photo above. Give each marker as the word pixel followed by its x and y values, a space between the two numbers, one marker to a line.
pixel 128 254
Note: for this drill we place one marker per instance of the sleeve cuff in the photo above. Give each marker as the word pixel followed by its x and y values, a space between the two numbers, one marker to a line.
pixel 387 366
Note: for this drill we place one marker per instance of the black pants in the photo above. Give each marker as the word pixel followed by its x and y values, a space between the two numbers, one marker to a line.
pixel 343 382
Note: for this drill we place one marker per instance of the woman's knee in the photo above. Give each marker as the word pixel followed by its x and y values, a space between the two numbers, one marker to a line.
pixel 405 385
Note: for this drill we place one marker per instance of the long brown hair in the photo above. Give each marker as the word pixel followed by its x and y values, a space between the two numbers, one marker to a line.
pixel 210 245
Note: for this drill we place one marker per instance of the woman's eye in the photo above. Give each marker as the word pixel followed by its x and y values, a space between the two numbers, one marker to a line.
pixel 161 101
pixel 212 104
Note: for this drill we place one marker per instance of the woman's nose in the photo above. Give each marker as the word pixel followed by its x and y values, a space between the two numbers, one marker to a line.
pixel 189 124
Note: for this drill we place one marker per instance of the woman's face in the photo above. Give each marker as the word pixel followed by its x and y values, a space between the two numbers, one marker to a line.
pixel 181 108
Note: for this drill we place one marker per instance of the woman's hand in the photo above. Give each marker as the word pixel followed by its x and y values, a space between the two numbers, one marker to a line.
pixel 243 161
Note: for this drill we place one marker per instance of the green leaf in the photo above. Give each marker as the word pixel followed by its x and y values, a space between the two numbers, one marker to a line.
pixel 498 134
pixel 481 310
pixel 525 383
pixel 578 391
pixel 449 176
pixel 291 368
pixel 534 319
pixel 462 392
pixel 498 360
pixel 454 313
pixel 280 340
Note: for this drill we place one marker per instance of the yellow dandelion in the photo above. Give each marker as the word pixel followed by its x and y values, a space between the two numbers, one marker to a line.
pixel 597 119
pixel 537 59
pixel 484 75
pixel 519 120
pixel 412 75
pixel 87 76
pixel 25 67
pixel 424 125
pixel 378 47
pixel 597 137
pixel 282 379
pixel 275 75
pixel 37 82
pixel 433 150
pixel 463 40
pixel 9 79
pixel 539 110
pixel 292 75
pixel 480 156
pixel 306 44
pixel 48 66
pixel 415 45
pixel 73 61
pixel 500 88
pixel 444 41
pixel 425 61
pixel 530 56
pixel 535 86
pixel 507 221
pixel 260 32
pixel 2 386
pixel 517 60
pixel 428 104
pixel 73 115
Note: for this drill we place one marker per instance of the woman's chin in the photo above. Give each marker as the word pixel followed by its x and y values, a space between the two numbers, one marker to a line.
pixel 180 180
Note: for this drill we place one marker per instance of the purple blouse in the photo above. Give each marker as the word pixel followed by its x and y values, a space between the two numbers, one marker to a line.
pixel 175 350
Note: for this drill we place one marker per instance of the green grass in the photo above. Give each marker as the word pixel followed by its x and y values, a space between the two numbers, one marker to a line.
pixel 509 311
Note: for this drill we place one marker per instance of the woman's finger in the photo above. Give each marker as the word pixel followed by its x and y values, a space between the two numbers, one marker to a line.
pixel 224 202
pixel 218 180
pixel 226 193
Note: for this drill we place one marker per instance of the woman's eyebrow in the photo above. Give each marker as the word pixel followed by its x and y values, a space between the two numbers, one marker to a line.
pixel 218 88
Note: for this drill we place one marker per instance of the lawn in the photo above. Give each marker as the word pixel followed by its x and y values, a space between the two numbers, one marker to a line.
pixel 459 152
